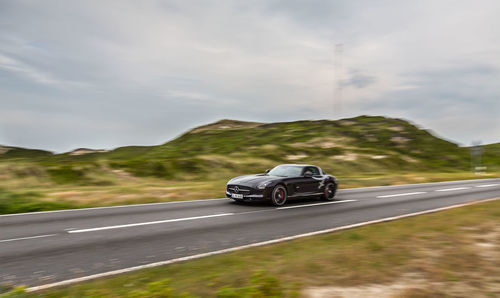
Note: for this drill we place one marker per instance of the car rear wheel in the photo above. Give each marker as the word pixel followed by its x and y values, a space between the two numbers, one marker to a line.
pixel 329 192
pixel 278 196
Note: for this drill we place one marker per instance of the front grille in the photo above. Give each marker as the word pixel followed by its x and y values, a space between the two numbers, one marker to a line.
pixel 238 189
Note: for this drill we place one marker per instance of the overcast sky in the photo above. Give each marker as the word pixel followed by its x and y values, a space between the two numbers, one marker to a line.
pixel 103 74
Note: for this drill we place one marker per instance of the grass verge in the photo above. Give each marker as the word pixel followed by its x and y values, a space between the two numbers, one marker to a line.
pixel 450 253
pixel 29 201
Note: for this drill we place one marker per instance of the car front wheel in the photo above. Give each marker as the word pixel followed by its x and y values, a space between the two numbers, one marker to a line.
pixel 278 196
pixel 329 193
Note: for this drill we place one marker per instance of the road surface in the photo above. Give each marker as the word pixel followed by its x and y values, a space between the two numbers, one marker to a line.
pixel 47 247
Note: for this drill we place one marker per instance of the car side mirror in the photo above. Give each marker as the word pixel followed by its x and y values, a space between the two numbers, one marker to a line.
pixel 267 171
pixel 308 174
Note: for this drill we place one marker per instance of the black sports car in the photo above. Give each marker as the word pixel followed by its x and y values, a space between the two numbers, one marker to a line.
pixel 282 182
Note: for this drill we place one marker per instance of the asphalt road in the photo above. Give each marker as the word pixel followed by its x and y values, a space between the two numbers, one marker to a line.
pixel 46 247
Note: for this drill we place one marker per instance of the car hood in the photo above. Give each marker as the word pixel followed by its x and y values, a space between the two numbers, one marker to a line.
pixel 252 180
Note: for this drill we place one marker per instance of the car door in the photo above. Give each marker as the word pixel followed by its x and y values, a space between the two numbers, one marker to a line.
pixel 296 185
pixel 312 184
pixel 304 185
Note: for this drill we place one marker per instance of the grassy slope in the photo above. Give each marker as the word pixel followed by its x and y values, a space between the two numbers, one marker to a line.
pixel 368 144
pixel 451 253
pixel 7 152
pixel 361 151
pixel 491 156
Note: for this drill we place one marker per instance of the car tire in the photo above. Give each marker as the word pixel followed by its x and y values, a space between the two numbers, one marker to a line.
pixel 278 195
pixel 329 192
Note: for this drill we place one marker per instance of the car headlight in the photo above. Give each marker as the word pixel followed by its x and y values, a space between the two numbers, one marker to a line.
pixel 263 185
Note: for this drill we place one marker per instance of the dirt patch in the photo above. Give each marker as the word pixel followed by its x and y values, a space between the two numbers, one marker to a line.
pixel 346 122
pixel 378 156
pixel 396 128
pixel 225 125
pixel 4 149
pixel 123 174
pixel 409 281
pixel 296 156
pixel 324 143
pixel 83 151
pixel 488 245
pixel 410 285
pixel 347 157
pixel 408 159
pixel 269 147
pixel 400 140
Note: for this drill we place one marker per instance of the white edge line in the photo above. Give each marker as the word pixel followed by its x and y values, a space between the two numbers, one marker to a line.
pixel 487 185
pixel 452 189
pixel 146 223
pixel 227 250
pixel 403 194
pixel 205 200
pixel 26 238
pixel 315 204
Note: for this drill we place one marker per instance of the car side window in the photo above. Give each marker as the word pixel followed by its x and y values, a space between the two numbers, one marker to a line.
pixel 313 170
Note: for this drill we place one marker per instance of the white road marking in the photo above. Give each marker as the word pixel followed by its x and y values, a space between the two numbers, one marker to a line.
pixel 73 230
pixel 255 211
pixel 26 238
pixel 147 223
pixel 227 250
pixel 487 185
pixel 415 184
pixel 452 189
pixel 316 204
pixel 403 194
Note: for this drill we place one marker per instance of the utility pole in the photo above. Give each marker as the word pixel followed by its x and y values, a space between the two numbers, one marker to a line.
pixel 337 87
pixel 476 151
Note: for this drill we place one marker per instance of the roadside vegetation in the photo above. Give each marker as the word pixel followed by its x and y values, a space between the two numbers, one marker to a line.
pixel 11 202
pixel 446 254
pixel 361 151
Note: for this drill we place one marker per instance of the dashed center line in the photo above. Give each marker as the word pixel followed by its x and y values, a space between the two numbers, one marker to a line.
pixel 316 204
pixel 452 189
pixel 147 223
pixel 72 230
pixel 403 194
pixel 26 238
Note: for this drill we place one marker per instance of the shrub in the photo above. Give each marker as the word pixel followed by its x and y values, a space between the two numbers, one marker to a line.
pixel 66 175
pixel 261 285
pixel 158 289
pixel 27 202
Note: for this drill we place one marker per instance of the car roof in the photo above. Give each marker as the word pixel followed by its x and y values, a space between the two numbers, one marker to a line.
pixel 298 165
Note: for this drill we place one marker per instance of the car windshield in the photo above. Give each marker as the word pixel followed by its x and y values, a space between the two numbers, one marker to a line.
pixel 286 171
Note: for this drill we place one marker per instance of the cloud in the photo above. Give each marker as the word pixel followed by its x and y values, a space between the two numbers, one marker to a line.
pixel 358 80
pixel 28 72
pixel 128 72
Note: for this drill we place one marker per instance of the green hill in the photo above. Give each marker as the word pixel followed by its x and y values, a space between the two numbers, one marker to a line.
pixel 364 144
pixel 9 152
pixel 491 156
